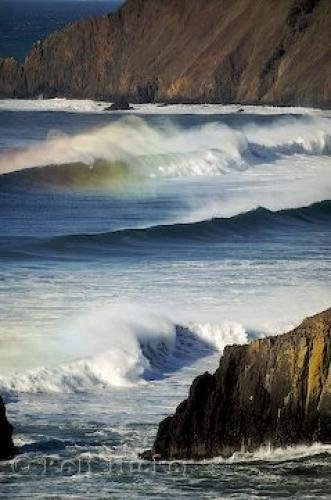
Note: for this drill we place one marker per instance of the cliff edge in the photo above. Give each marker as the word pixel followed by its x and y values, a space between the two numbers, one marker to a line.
pixel 7 449
pixel 247 51
pixel 273 391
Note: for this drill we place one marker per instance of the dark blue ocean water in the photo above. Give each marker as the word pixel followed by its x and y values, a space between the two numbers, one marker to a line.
pixel 133 248
pixel 24 22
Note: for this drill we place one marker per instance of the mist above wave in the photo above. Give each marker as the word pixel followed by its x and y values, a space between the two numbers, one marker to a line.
pixel 131 345
pixel 172 151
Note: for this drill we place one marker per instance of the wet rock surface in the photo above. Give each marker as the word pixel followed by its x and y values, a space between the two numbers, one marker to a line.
pixel 7 449
pixel 274 391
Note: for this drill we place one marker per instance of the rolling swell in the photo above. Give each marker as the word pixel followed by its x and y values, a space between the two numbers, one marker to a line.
pixel 255 225
pixel 101 174
pixel 241 224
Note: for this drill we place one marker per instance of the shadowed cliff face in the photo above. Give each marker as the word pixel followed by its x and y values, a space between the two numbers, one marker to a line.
pixel 248 51
pixel 273 391
pixel 7 449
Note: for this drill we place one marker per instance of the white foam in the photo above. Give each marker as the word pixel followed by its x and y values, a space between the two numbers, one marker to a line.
pixel 90 106
pixel 133 345
pixel 170 151
pixel 290 135
pixel 269 454
pixel 298 182
pixel 56 104
pixel 220 335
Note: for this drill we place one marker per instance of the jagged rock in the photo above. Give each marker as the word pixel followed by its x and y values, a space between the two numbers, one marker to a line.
pixel 274 391
pixel 194 51
pixel 7 449
pixel 11 78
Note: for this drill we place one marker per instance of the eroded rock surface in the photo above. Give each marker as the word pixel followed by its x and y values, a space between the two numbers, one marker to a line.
pixel 273 391
pixel 248 51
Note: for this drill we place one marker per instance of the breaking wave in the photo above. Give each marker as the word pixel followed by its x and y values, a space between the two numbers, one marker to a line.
pixel 274 455
pixel 132 147
pixel 141 347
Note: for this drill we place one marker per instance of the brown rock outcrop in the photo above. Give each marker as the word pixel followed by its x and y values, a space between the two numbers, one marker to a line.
pixel 248 51
pixel 11 78
pixel 274 391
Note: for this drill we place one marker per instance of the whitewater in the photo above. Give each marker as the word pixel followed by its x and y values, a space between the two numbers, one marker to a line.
pixel 133 248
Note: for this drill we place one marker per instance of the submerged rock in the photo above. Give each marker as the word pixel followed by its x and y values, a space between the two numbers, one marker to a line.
pixel 120 105
pixel 274 391
pixel 7 449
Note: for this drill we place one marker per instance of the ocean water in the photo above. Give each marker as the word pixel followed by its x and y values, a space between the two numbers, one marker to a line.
pixel 133 247
pixel 24 22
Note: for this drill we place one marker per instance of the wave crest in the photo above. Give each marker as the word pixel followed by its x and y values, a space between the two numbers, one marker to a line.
pixel 259 223
pixel 139 350
pixel 224 229
pixel 140 149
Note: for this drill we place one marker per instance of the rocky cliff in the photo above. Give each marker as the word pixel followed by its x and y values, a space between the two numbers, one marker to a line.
pixel 273 391
pixel 7 449
pixel 248 51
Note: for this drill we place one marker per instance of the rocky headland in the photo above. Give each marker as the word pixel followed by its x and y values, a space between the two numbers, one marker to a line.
pixel 274 391
pixel 247 51
pixel 7 449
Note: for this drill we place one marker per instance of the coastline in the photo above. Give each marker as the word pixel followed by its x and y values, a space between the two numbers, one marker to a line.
pixel 241 58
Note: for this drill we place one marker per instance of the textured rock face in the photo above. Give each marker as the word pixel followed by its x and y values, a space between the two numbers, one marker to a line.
pixel 248 51
pixel 7 449
pixel 273 391
pixel 11 78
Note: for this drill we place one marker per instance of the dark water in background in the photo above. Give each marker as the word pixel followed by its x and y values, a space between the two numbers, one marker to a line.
pixel 22 23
